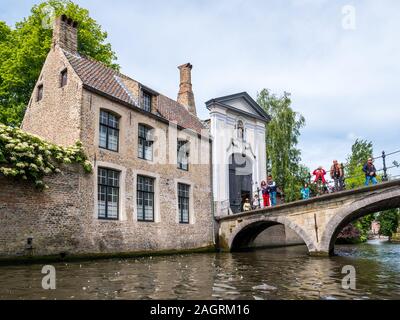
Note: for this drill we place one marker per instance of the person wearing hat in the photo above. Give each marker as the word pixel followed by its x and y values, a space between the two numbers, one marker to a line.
pixel 256 202
pixel 370 172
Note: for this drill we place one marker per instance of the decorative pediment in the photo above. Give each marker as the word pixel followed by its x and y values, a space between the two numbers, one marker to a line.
pixel 240 103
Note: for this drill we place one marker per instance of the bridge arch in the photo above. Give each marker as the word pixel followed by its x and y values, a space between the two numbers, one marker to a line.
pixel 247 231
pixel 378 201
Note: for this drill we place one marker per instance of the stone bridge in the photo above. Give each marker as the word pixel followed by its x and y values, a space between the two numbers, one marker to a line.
pixel 318 221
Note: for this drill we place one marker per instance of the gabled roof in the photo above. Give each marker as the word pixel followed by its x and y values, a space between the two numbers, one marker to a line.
pixel 102 79
pixel 224 101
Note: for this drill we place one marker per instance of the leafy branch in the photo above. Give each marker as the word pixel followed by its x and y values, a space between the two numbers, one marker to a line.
pixel 28 157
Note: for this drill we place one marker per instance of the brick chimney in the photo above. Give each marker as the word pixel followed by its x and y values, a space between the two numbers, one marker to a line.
pixel 65 33
pixel 185 95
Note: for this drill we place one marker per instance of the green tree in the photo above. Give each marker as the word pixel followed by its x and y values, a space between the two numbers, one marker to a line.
pixel 283 132
pixel 23 51
pixel 361 150
pixel 389 221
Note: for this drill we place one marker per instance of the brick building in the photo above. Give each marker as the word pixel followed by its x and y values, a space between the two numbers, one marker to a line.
pixel 151 184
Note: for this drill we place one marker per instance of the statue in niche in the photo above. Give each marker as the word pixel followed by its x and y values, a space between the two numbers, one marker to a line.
pixel 240 142
pixel 240 130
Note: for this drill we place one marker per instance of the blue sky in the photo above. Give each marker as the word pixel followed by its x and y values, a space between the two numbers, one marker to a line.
pixel 344 81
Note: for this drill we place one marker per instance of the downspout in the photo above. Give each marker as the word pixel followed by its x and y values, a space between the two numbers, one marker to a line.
pixel 212 192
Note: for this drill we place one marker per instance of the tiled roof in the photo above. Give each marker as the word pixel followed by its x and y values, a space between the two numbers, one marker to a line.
pixel 177 113
pixel 98 76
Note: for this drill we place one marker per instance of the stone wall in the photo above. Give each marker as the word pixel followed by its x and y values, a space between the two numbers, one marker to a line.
pixel 61 220
pixel 278 235
pixel 64 218
pixel 56 117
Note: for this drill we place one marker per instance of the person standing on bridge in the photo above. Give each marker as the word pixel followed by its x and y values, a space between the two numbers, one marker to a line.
pixel 272 190
pixel 370 172
pixel 305 192
pixel 265 194
pixel 319 174
pixel 337 175
pixel 247 205
pixel 320 181
pixel 256 202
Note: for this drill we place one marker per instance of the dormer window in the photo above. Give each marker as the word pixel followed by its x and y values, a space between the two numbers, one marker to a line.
pixel 64 78
pixel 39 95
pixel 147 100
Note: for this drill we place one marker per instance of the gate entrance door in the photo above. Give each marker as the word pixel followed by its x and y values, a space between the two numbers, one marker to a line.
pixel 240 181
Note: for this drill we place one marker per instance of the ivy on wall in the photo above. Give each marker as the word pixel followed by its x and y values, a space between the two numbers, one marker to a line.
pixel 28 157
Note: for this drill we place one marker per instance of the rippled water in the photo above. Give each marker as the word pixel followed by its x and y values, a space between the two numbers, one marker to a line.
pixel 282 273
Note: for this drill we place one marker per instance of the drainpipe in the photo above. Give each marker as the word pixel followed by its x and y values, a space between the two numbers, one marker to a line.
pixel 212 191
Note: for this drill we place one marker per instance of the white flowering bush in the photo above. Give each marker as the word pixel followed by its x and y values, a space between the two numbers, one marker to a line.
pixel 28 157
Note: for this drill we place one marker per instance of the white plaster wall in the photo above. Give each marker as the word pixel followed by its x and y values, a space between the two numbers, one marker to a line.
pixel 222 128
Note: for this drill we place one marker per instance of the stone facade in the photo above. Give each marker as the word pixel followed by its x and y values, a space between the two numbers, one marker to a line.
pixel 64 219
pixel 61 220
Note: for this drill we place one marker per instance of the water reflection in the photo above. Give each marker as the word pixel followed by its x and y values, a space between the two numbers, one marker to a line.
pixel 282 273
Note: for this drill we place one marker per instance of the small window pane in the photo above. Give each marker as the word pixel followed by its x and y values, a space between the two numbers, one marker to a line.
pixel 141 149
pixel 148 151
pixel 112 139
pixel 103 136
pixel 113 121
pixel 103 117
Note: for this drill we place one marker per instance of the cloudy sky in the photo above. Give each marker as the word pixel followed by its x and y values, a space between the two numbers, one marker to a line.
pixel 343 74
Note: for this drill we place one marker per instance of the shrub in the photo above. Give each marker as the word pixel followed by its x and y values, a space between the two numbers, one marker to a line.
pixel 26 156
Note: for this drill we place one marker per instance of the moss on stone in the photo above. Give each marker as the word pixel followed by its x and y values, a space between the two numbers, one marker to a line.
pixel 64 257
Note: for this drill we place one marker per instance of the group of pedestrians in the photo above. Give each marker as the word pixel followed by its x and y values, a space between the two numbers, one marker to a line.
pixel 268 197
pixel 269 188
pixel 337 175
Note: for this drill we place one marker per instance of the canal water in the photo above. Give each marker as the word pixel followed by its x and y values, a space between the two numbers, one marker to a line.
pixel 281 273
